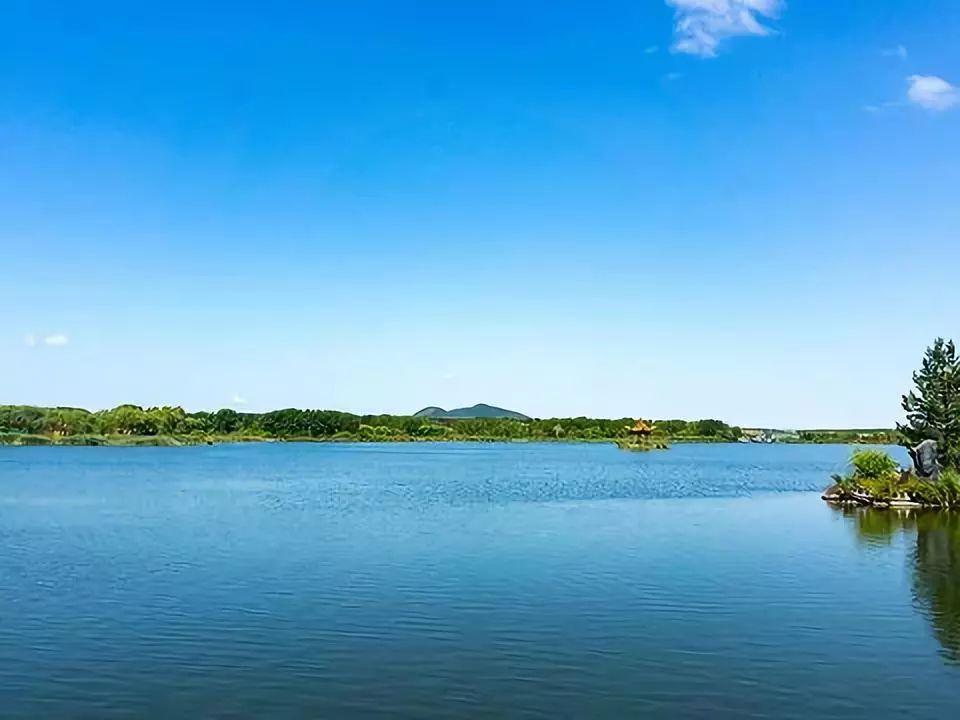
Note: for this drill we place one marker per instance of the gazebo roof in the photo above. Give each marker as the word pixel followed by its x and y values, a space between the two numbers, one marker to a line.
pixel 642 427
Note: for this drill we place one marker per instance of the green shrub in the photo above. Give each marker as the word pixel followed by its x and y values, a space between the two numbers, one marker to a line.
pixel 874 471
pixel 873 465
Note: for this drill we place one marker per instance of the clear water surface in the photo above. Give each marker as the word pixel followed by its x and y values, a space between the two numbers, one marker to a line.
pixel 460 580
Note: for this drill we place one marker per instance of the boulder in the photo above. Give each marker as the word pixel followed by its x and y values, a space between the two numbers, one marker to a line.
pixel 925 463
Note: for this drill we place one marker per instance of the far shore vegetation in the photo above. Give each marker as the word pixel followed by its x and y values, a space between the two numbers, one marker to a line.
pixel 131 425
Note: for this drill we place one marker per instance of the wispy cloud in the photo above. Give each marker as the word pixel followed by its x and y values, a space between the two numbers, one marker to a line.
pixel 701 25
pixel 671 76
pixel 880 107
pixel 237 399
pixel 898 52
pixel 931 92
pixel 650 49
pixel 57 340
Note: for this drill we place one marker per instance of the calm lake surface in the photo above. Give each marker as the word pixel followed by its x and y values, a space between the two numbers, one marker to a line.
pixel 443 580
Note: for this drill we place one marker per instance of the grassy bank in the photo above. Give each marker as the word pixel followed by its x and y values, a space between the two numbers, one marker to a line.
pixel 26 439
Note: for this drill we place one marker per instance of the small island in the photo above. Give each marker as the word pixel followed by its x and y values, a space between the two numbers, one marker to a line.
pixel 641 437
pixel 932 435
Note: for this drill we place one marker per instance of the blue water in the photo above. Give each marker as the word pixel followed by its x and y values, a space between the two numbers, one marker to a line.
pixel 459 580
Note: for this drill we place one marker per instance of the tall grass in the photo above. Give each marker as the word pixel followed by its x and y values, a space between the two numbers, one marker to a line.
pixel 945 492
pixel 873 465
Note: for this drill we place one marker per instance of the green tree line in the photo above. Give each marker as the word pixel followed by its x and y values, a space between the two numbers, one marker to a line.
pixel 291 423
pixel 876 436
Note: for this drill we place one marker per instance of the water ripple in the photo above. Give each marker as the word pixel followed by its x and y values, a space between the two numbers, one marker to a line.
pixel 437 581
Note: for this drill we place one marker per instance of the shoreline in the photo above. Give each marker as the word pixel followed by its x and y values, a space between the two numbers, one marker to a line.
pixel 134 441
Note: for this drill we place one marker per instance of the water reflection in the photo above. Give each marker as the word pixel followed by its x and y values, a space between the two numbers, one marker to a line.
pixel 935 563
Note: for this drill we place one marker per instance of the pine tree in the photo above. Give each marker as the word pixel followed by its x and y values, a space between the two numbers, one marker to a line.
pixel 933 407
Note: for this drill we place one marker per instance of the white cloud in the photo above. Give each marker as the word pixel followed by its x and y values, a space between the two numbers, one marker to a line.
pixel 931 92
pixel 238 399
pixel 650 49
pixel 898 52
pixel 29 340
pixel 671 76
pixel 701 25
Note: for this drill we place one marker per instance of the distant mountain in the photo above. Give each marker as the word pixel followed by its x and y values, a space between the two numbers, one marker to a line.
pixel 477 411
pixel 431 411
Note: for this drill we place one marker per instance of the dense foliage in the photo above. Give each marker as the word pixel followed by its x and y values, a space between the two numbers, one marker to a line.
pixel 933 413
pixel 933 407
pixel 132 420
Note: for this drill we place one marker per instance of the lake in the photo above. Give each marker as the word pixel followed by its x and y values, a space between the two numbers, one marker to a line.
pixel 470 580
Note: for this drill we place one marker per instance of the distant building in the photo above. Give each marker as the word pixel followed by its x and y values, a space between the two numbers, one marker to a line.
pixel 768 435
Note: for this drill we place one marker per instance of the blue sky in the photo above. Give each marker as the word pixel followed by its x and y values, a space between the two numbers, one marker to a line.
pixel 740 209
